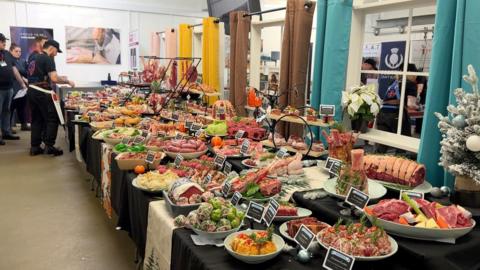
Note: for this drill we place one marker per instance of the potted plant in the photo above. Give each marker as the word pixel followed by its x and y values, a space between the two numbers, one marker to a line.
pixel 460 146
pixel 362 104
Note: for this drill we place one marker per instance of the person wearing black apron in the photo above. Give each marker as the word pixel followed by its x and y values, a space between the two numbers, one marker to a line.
pixel 42 73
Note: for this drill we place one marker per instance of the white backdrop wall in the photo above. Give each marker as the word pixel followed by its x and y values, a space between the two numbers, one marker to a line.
pixel 58 15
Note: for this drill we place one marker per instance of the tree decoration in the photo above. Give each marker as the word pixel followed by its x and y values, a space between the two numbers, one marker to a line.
pixel 460 146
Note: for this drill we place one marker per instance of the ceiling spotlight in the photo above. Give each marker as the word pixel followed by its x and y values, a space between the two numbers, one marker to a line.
pixel 401 29
pixel 376 31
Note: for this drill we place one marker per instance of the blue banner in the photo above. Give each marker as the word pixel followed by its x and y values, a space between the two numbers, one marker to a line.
pixel 25 38
pixel 392 57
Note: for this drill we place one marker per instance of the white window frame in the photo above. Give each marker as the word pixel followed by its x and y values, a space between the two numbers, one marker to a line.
pixel 360 9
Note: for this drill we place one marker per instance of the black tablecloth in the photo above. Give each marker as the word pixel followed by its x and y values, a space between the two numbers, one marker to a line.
pixel 119 194
pixel 415 254
pixel 131 205
pixel 91 151
pixel 187 256
pixel 70 116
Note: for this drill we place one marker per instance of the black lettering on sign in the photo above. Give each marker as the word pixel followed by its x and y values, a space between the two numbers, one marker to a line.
pixel 255 211
pixel 304 237
pixel 239 134
pixel 335 168
pixel 282 152
pixel 271 212
pixel 178 160
pixel 219 160
pixel 237 196
pixel 138 139
pixel 228 167
pixel 150 157
pixel 337 260
pixel 357 198
pixel 245 146
pixel 327 110
pixel 226 189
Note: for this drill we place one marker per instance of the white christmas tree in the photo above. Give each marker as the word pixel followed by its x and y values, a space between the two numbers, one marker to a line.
pixel 460 146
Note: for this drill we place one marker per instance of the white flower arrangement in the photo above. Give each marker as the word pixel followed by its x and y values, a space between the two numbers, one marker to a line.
pixel 361 102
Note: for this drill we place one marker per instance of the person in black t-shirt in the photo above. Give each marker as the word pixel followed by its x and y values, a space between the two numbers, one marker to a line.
pixel 42 73
pixel 18 108
pixel 8 73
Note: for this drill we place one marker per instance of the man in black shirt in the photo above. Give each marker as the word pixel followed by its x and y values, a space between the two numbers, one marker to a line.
pixel 8 73
pixel 42 73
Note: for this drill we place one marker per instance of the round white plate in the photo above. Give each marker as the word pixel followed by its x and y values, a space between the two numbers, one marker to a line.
pixel 248 166
pixel 254 259
pixel 394 250
pixel 283 229
pixel 375 190
pixel 425 187
pixel 301 213
pixel 421 233
pixel 135 184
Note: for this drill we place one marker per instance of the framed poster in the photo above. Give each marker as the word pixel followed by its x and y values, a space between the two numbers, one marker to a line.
pixel 93 45
pixel 25 38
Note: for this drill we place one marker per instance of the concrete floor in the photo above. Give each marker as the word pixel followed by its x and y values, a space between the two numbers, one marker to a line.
pixel 49 218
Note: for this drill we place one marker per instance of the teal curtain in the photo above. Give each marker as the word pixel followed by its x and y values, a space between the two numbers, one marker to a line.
pixel 334 19
pixel 456 44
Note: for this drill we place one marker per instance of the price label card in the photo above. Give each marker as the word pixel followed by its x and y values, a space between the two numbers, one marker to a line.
pixel 327 110
pixel 150 157
pixel 330 161
pixel 188 124
pixel 196 126
pixel 261 118
pixel 178 160
pixel 125 140
pixel 145 133
pixel 412 194
pixel 304 237
pixel 282 152
pixel 245 146
pixel 221 110
pixel 255 211
pixel 239 134
pixel 219 160
pixel 335 167
pixel 226 189
pixel 228 167
pixel 178 136
pixel 175 116
pixel 138 139
pixel 113 124
pixel 337 260
pixel 237 196
pixel 271 212
pixel 208 179
pixel 199 132
pixel 357 198
pixel 161 134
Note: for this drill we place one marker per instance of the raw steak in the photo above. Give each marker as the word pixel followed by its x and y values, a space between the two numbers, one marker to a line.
pixel 270 187
pixel 390 209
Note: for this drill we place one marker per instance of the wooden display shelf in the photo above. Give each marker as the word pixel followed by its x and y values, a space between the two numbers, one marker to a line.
pixel 314 154
pixel 296 120
pixel 208 94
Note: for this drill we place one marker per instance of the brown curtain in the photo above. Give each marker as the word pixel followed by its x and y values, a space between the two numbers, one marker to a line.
pixel 294 58
pixel 239 29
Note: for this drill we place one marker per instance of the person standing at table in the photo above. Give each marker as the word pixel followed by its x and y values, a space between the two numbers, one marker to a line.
pixel 43 73
pixel 8 73
pixel 19 104
pixel 37 47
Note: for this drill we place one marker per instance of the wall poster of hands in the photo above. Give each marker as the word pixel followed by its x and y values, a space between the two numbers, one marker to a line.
pixel 93 45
